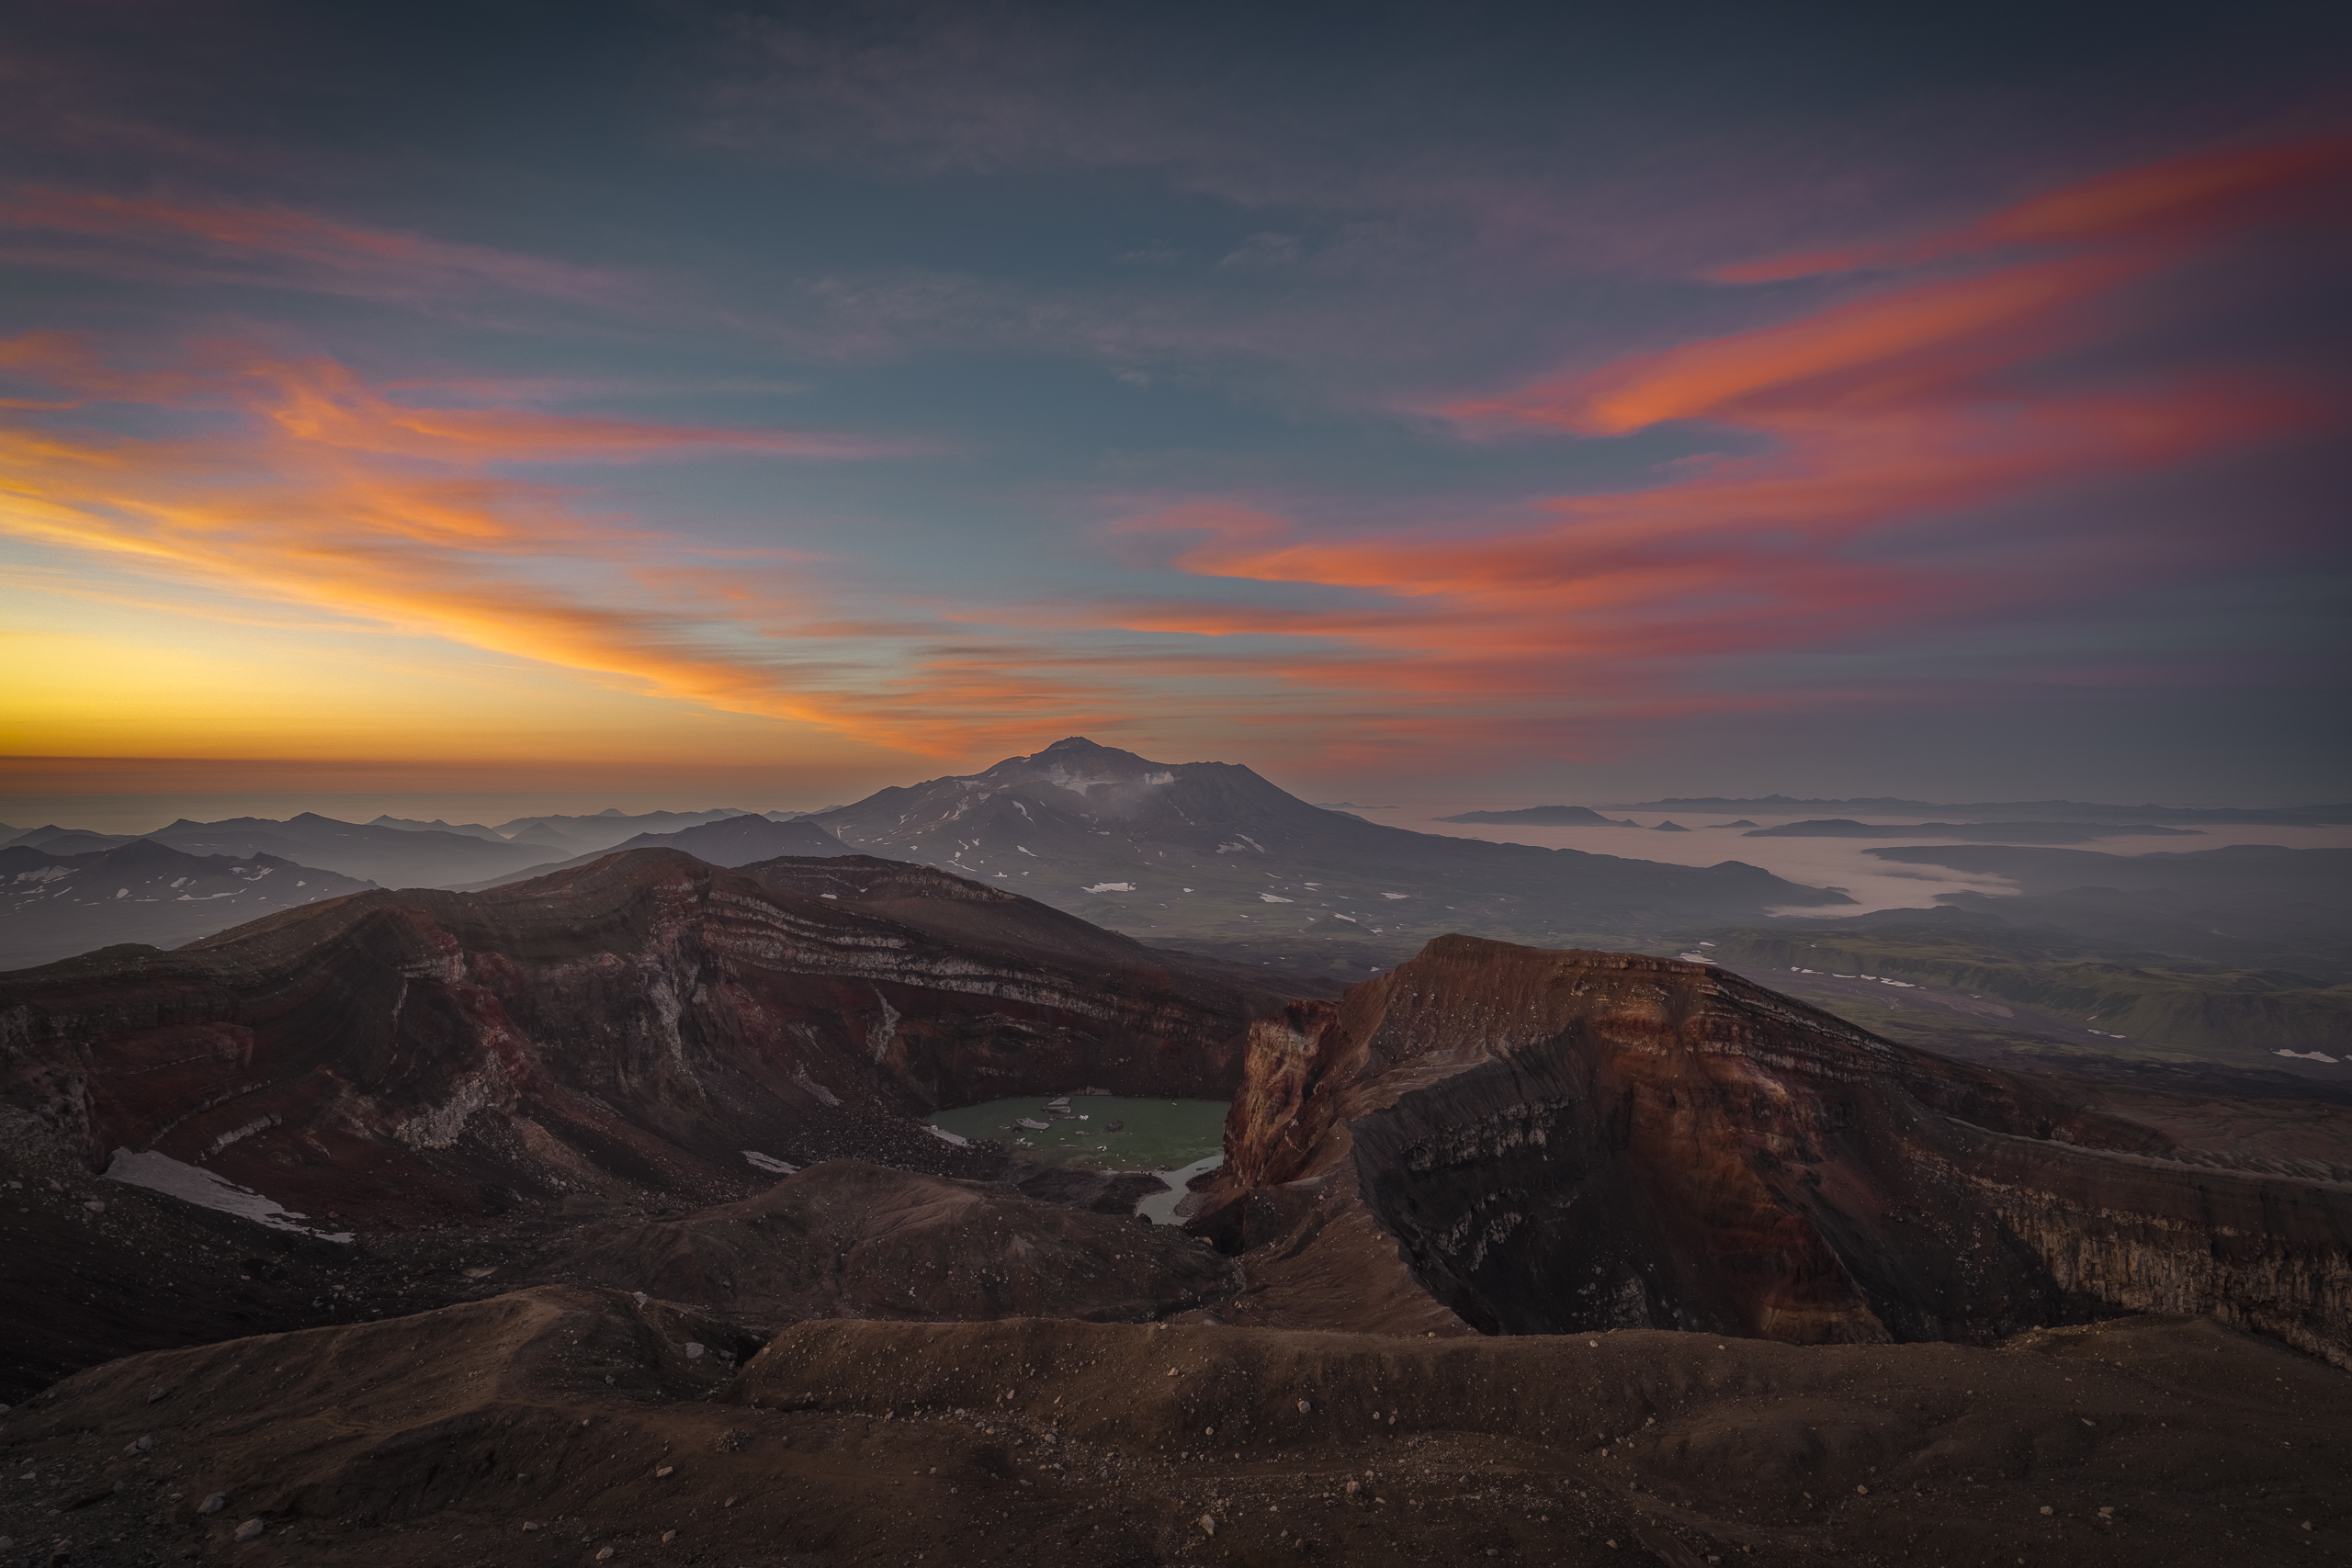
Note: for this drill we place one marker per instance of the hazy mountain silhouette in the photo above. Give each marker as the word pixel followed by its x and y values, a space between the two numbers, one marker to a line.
pixel 1210 856
pixel 53 906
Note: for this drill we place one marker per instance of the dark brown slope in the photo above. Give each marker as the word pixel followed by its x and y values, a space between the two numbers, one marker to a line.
pixel 548 1426
pixel 852 1239
pixel 1532 1141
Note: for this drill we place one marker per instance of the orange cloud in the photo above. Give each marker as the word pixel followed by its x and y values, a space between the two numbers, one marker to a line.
pixel 1872 434
pixel 323 403
pixel 331 495
pixel 2198 193
pixel 1712 379
pixel 1882 427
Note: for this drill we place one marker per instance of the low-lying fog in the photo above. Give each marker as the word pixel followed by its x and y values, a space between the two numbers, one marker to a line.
pixel 1821 863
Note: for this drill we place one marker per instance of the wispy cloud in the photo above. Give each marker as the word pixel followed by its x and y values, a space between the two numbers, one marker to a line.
pixel 157 238
pixel 2184 198
pixel 1872 436
pixel 325 494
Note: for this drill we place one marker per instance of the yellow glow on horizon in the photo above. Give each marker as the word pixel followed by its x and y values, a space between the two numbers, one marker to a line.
pixel 93 678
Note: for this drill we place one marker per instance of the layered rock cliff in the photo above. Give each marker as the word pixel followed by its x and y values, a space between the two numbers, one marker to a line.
pixel 649 1022
pixel 1561 1141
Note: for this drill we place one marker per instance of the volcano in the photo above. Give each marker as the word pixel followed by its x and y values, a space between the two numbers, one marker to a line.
pixel 1211 857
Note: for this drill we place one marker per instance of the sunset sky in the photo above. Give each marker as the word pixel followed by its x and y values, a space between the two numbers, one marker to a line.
pixel 764 404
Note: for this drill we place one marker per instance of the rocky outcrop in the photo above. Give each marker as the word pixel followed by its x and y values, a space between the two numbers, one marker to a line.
pixel 1565 1141
pixel 852 1239
pixel 649 1024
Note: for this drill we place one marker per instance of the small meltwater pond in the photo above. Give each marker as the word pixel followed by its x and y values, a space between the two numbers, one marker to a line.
pixel 1101 1131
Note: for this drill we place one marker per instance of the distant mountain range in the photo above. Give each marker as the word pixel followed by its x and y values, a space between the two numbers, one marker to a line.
pixel 420 856
pixel 730 841
pixel 397 851
pixel 190 879
pixel 1205 855
pixel 610 828
pixel 470 829
pixel 2013 810
pixel 1209 856
pixel 53 906
pixel 1542 816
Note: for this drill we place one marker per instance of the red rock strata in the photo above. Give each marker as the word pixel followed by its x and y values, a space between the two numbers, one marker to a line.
pixel 631 1026
pixel 1531 1141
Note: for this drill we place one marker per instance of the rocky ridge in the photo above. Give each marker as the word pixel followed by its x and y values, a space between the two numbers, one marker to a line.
pixel 1547 1141
pixel 638 1024
pixel 648 1035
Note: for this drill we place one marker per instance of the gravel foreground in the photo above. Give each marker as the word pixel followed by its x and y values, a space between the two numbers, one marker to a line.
pixel 563 1425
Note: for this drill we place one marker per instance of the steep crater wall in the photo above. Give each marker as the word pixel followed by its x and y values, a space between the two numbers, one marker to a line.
pixel 639 1023
pixel 1561 1141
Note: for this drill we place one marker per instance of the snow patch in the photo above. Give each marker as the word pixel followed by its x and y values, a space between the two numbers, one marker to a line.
pixel 769 1163
pixel 1396 895
pixel 2304 1055
pixel 945 1136
pixel 1276 899
pixel 159 1172
pixel 1110 888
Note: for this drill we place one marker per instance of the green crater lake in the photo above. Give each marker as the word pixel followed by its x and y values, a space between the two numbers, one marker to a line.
pixel 1154 1134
